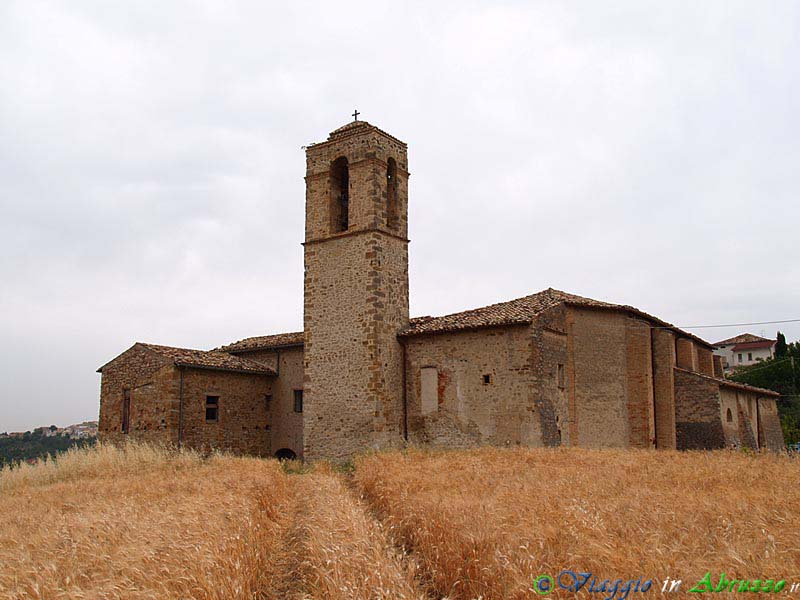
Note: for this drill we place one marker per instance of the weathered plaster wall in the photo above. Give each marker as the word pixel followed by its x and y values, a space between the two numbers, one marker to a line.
pixel 471 411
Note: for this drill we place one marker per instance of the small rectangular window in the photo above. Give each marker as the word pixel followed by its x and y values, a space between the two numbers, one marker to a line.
pixel 298 401
pixel 561 380
pixel 740 357
pixel 212 409
pixel 487 379
pixel 750 356
pixel 126 410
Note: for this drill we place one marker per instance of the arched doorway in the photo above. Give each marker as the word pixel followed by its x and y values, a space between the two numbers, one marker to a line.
pixel 285 454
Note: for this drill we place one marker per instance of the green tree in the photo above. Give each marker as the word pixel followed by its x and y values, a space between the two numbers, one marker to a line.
pixel 783 376
pixel 781 348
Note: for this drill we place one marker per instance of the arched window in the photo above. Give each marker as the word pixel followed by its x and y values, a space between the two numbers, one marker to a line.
pixel 729 416
pixel 392 211
pixel 340 195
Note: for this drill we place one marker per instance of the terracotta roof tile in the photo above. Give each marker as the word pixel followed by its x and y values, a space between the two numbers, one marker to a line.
pixel 264 342
pixel 208 359
pixel 523 311
pixel 354 128
pixel 733 384
pixel 519 311
pixel 754 345
pixel 744 337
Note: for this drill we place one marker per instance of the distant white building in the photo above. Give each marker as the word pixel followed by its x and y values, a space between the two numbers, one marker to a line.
pixel 743 350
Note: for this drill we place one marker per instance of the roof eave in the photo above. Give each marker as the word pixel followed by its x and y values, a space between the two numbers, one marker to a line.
pixel 262 372
pixel 407 334
pixel 733 384
pixel 101 367
pixel 257 348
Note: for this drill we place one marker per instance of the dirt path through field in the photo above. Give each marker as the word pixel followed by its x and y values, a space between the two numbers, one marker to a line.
pixel 333 548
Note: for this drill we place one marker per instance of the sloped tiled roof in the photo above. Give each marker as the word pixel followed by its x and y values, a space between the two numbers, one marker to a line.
pixel 733 384
pixel 754 345
pixel 208 359
pixel 521 312
pixel 743 338
pixel 353 128
pixel 514 312
pixel 264 342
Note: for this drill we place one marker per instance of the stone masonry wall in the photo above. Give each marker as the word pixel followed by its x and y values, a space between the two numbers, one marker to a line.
pixel 244 420
pixel 367 151
pixel 153 410
pixel 286 426
pixel 471 411
pixel 548 351
pixel 697 412
pixel 356 297
pixel 356 300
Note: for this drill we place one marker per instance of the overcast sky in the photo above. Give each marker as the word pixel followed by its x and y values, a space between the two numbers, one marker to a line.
pixel 151 171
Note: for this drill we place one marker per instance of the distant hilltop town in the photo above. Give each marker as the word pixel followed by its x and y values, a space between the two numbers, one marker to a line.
pixel 31 446
pixel 79 431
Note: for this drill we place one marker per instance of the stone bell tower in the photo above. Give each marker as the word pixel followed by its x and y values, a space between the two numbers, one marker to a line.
pixel 356 291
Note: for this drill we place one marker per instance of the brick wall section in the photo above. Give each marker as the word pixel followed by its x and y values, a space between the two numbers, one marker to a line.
pixel 598 372
pixel 705 360
pixel 153 410
pixel 471 412
pixel 697 413
pixel 770 425
pixel 686 354
pixel 641 418
pixel 286 426
pixel 356 299
pixel 548 350
pixel 663 353
pixel 243 421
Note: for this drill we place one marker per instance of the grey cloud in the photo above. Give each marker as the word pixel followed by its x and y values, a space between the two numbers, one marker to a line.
pixel 151 176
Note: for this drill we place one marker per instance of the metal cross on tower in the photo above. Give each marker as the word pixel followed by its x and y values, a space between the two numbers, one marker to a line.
pixel 355 114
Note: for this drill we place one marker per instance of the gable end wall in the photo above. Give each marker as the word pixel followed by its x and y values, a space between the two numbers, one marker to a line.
pixel 153 405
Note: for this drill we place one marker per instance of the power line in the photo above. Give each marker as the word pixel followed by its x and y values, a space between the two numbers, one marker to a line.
pixel 734 324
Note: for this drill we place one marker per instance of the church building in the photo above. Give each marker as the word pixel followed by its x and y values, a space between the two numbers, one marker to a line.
pixel 548 369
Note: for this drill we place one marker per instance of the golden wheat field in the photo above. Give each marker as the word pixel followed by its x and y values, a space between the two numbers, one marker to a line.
pixel 145 522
